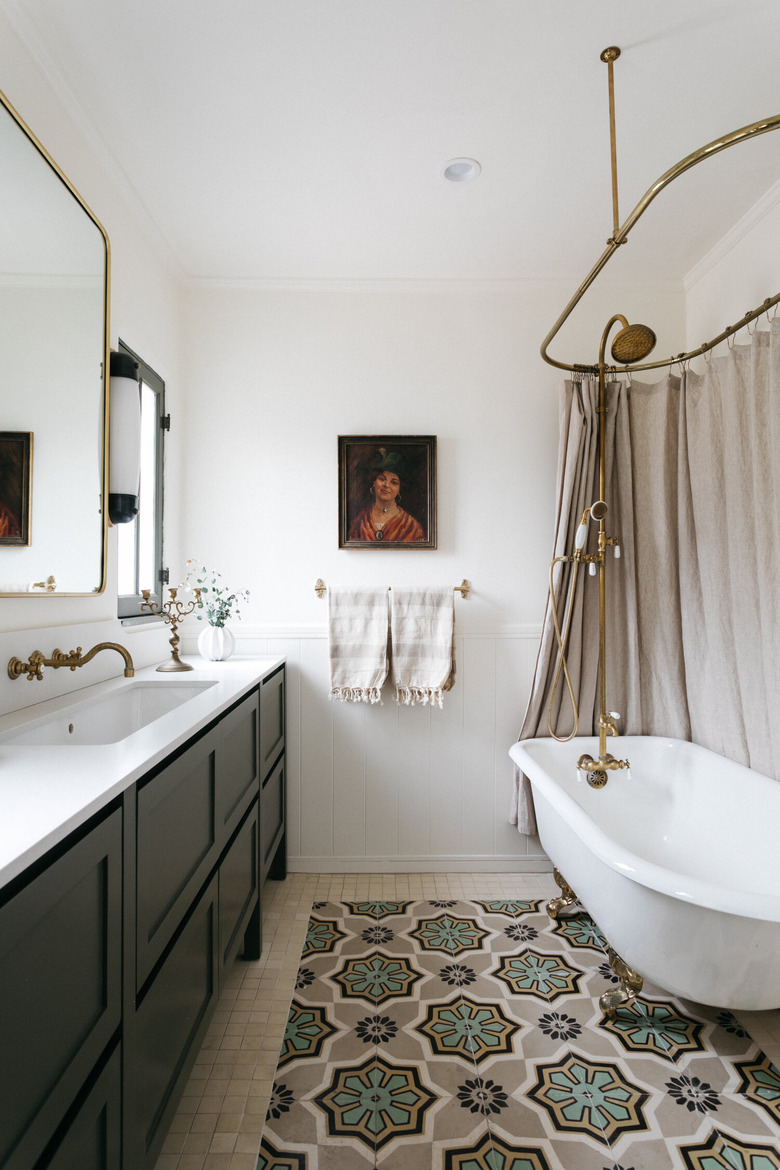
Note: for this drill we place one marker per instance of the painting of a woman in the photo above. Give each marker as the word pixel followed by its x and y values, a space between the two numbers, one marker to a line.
pixel 9 521
pixel 15 475
pixel 387 493
pixel 383 518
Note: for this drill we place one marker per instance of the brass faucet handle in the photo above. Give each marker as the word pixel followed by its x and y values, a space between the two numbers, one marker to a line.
pixel 609 722
pixel 72 659
pixel 33 668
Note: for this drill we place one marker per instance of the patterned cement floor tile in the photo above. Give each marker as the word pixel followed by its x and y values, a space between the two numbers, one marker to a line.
pixel 509 907
pixel 526 1150
pixel 450 1034
pixel 725 1151
pixel 438 1154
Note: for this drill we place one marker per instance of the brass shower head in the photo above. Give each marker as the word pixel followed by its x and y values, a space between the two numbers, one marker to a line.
pixel 633 343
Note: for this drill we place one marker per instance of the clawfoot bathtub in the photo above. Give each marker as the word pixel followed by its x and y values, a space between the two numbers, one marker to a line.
pixel 679 866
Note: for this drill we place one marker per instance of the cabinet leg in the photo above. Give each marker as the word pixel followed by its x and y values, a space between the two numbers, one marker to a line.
pixel 278 868
pixel 253 935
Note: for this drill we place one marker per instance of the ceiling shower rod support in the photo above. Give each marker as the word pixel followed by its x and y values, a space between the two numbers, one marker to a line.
pixel 611 55
pixel 620 233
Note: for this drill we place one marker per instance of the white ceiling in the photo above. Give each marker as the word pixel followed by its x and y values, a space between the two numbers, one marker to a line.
pixel 304 139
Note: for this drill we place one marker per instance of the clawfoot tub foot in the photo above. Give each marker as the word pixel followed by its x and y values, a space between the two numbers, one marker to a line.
pixel 567 896
pixel 630 985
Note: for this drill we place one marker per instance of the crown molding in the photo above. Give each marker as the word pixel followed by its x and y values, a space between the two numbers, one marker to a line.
pixel 768 201
pixel 457 285
pixel 369 284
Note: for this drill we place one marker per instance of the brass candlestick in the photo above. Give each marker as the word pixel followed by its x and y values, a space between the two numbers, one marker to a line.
pixel 173 612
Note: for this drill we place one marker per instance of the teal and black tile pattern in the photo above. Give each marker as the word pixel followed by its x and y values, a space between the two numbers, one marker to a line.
pixel 466 1035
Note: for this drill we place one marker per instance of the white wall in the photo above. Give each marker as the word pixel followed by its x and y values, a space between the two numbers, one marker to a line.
pixel 273 377
pixel 737 276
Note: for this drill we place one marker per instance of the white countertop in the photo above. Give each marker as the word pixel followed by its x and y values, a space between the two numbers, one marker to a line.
pixel 47 792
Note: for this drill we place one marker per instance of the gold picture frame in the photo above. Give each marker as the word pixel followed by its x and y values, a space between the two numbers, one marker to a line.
pixel 15 487
pixel 387 491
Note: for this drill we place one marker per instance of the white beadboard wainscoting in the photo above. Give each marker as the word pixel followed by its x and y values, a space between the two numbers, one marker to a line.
pixel 389 788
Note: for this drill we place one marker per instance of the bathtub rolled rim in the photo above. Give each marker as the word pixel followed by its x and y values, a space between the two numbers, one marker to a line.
pixel 751 904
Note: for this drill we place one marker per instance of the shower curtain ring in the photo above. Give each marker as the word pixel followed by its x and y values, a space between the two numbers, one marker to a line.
pixel 707 352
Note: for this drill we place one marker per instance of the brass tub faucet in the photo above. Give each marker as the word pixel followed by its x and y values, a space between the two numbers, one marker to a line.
pixel 73 659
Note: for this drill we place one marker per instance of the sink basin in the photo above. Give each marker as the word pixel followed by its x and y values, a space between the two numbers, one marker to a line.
pixel 107 718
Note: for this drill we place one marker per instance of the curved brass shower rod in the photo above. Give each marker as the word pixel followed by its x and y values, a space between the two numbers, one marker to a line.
pixel 620 236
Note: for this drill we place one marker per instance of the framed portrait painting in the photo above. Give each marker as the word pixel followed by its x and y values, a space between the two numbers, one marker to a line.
pixel 15 486
pixel 387 491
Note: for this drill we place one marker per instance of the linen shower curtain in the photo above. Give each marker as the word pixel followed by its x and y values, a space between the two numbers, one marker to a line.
pixel 693 604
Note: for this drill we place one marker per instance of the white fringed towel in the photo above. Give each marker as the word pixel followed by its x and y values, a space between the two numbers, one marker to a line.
pixel 522 812
pixel 422 631
pixel 357 638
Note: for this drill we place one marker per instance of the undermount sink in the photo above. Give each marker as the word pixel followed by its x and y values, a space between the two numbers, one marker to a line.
pixel 107 718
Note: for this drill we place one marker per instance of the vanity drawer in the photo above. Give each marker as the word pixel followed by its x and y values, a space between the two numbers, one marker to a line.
pixel 177 847
pixel 169 1026
pixel 238 764
pixel 272 704
pixel 60 974
pixel 238 887
pixel 271 816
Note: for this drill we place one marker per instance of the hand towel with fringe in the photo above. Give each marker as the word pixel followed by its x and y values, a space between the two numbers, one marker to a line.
pixel 357 638
pixel 422 633
pixel 522 812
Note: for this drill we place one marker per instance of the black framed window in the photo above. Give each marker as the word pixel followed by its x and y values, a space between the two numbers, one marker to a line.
pixel 140 543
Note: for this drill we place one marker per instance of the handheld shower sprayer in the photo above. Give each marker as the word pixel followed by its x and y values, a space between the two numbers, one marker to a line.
pixel 596 511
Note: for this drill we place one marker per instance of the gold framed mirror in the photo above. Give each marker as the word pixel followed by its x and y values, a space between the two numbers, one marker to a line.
pixel 54 338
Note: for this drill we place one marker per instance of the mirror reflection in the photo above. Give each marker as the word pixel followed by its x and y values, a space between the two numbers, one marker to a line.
pixel 53 329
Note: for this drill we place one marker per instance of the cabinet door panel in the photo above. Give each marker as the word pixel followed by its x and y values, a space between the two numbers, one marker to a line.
pixel 177 846
pixel 238 774
pixel 93 1140
pixel 60 975
pixel 170 1023
pixel 271 816
pixel 271 720
pixel 238 887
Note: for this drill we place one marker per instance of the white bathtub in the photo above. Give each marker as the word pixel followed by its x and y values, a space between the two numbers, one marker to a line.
pixel 679 866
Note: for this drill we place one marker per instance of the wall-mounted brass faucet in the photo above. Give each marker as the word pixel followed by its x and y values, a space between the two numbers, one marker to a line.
pixel 74 658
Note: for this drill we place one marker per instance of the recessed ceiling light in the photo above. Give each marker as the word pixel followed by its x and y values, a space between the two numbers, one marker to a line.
pixel 461 170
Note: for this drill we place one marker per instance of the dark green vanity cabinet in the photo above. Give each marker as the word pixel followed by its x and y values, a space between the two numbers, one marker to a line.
pixel 61 1005
pixel 273 852
pixel 196 903
pixel 114 946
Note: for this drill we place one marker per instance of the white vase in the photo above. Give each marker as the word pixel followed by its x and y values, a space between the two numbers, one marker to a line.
pixel 216 643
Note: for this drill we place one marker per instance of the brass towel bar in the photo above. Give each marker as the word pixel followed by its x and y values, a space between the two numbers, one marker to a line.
pixel 463 589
